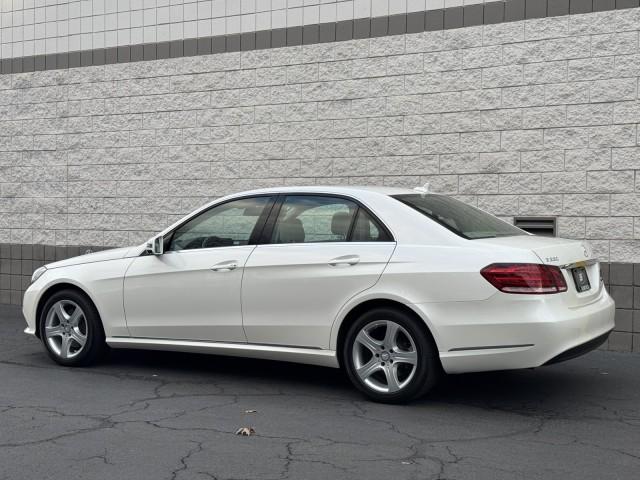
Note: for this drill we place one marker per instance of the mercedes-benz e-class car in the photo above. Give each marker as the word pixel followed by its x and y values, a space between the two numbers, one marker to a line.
pixel 395 286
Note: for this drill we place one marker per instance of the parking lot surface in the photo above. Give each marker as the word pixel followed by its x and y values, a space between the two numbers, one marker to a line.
pixel 154 415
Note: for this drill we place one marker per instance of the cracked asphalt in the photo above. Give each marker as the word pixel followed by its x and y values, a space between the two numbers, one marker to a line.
pixel 154 415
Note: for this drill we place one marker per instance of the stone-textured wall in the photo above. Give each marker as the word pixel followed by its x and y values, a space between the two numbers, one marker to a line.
pixel 535 117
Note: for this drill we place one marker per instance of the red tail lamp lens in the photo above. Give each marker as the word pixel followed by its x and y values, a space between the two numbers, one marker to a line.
pixel 527 278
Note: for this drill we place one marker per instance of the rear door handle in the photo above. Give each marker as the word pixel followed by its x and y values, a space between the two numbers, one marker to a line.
pixel 345 261
pixel 225 266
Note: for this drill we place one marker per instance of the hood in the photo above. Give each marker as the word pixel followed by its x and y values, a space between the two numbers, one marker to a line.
pixel 104 255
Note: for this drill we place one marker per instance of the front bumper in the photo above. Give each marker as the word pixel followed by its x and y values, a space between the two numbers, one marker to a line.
pixel 522 333
pixel 29 305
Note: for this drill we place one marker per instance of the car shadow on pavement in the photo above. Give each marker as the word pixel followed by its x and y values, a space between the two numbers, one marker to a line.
pixel 231 369
pixel 515 389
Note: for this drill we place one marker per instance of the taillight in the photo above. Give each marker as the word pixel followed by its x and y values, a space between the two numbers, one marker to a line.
pixel 528 278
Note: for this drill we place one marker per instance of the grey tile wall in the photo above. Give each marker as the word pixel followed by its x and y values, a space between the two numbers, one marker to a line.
pixel 414 22
pixel 17 263
pixel 623 282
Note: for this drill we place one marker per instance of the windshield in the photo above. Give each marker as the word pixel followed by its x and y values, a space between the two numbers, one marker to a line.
pixel 462 219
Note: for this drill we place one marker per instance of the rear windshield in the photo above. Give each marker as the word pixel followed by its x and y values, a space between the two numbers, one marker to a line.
pixel 462 219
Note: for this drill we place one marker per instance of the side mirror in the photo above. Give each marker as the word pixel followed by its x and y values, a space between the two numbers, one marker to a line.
pixel 155 246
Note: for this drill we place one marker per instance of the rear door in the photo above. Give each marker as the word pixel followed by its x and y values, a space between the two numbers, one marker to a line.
pixel 319 251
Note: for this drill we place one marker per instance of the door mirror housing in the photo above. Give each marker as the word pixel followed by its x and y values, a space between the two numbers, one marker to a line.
pixel 155 246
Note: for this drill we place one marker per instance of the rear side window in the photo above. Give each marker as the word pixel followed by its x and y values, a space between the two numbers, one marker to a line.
pixel 322 218
pixel 311 219
pixel 367 229
pixel 462 219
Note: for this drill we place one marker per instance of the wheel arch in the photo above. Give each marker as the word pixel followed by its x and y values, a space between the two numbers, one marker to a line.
pixel 53 289
pixel 355 311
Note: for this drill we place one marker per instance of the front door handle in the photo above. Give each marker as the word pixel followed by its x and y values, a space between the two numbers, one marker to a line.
pixel 225 266
pixel 344 261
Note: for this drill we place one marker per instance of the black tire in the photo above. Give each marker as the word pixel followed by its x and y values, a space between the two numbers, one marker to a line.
pixel 95 346
pixel 427 369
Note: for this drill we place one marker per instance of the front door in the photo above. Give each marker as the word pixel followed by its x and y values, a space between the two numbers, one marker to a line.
pixel 192 291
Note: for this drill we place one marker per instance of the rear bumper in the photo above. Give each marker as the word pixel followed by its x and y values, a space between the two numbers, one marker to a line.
pixel 579 350
pixel 511 333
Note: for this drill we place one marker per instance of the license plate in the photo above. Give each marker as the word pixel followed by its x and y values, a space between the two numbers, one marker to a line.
pixel 581 279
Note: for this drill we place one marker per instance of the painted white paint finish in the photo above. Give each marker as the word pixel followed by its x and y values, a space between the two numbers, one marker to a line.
pixel 179 295
pixel 295 296
pixel 284 276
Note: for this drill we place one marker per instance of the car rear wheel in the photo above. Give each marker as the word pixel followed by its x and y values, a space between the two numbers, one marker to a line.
pixel 71 329
pixel 389 356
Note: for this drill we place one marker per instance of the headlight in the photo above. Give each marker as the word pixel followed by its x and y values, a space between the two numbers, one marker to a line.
pixel 38 273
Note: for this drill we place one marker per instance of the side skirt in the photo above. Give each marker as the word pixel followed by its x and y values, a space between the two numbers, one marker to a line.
pixel 311 356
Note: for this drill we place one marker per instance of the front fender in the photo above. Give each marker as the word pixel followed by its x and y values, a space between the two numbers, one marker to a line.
pixel 37 290
pixel 102 282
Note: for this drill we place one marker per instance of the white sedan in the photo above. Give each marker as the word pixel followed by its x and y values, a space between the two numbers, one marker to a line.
pixel 393 285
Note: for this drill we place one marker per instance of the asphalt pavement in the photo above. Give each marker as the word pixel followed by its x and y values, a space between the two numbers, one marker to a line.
pixel 155 415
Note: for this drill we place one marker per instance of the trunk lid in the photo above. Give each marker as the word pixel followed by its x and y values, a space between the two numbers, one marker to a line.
pixel 567 254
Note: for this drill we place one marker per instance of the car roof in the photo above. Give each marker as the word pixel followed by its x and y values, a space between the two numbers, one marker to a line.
pixel 344 190
pixel 403 222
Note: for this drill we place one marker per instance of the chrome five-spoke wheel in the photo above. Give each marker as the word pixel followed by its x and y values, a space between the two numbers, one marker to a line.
pixel 390 356
pixel 66 329
pixel 385 356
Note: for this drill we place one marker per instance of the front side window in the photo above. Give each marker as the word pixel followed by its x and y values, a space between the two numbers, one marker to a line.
pixel 464 220
pixel 308 218
pixel 227 225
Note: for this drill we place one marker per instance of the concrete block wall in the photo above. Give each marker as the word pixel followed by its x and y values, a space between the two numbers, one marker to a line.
pixel 530 117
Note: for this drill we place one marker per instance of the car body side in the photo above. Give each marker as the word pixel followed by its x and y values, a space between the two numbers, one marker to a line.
pixel 432 271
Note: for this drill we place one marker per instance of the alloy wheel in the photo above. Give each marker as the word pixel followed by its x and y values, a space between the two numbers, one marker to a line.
pixel 385 356
pixel 66 329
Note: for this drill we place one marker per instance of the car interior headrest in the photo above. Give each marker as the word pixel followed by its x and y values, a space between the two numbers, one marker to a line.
pixel 290 231
pixel 340 224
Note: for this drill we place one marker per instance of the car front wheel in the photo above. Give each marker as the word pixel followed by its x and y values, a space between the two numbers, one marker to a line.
pixel 71 329
pixel 389 356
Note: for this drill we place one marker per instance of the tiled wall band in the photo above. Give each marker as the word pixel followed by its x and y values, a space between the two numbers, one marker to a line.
pixel 357 28
pixel 18 262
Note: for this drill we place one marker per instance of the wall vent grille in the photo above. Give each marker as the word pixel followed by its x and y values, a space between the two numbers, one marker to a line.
pixel 545 226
